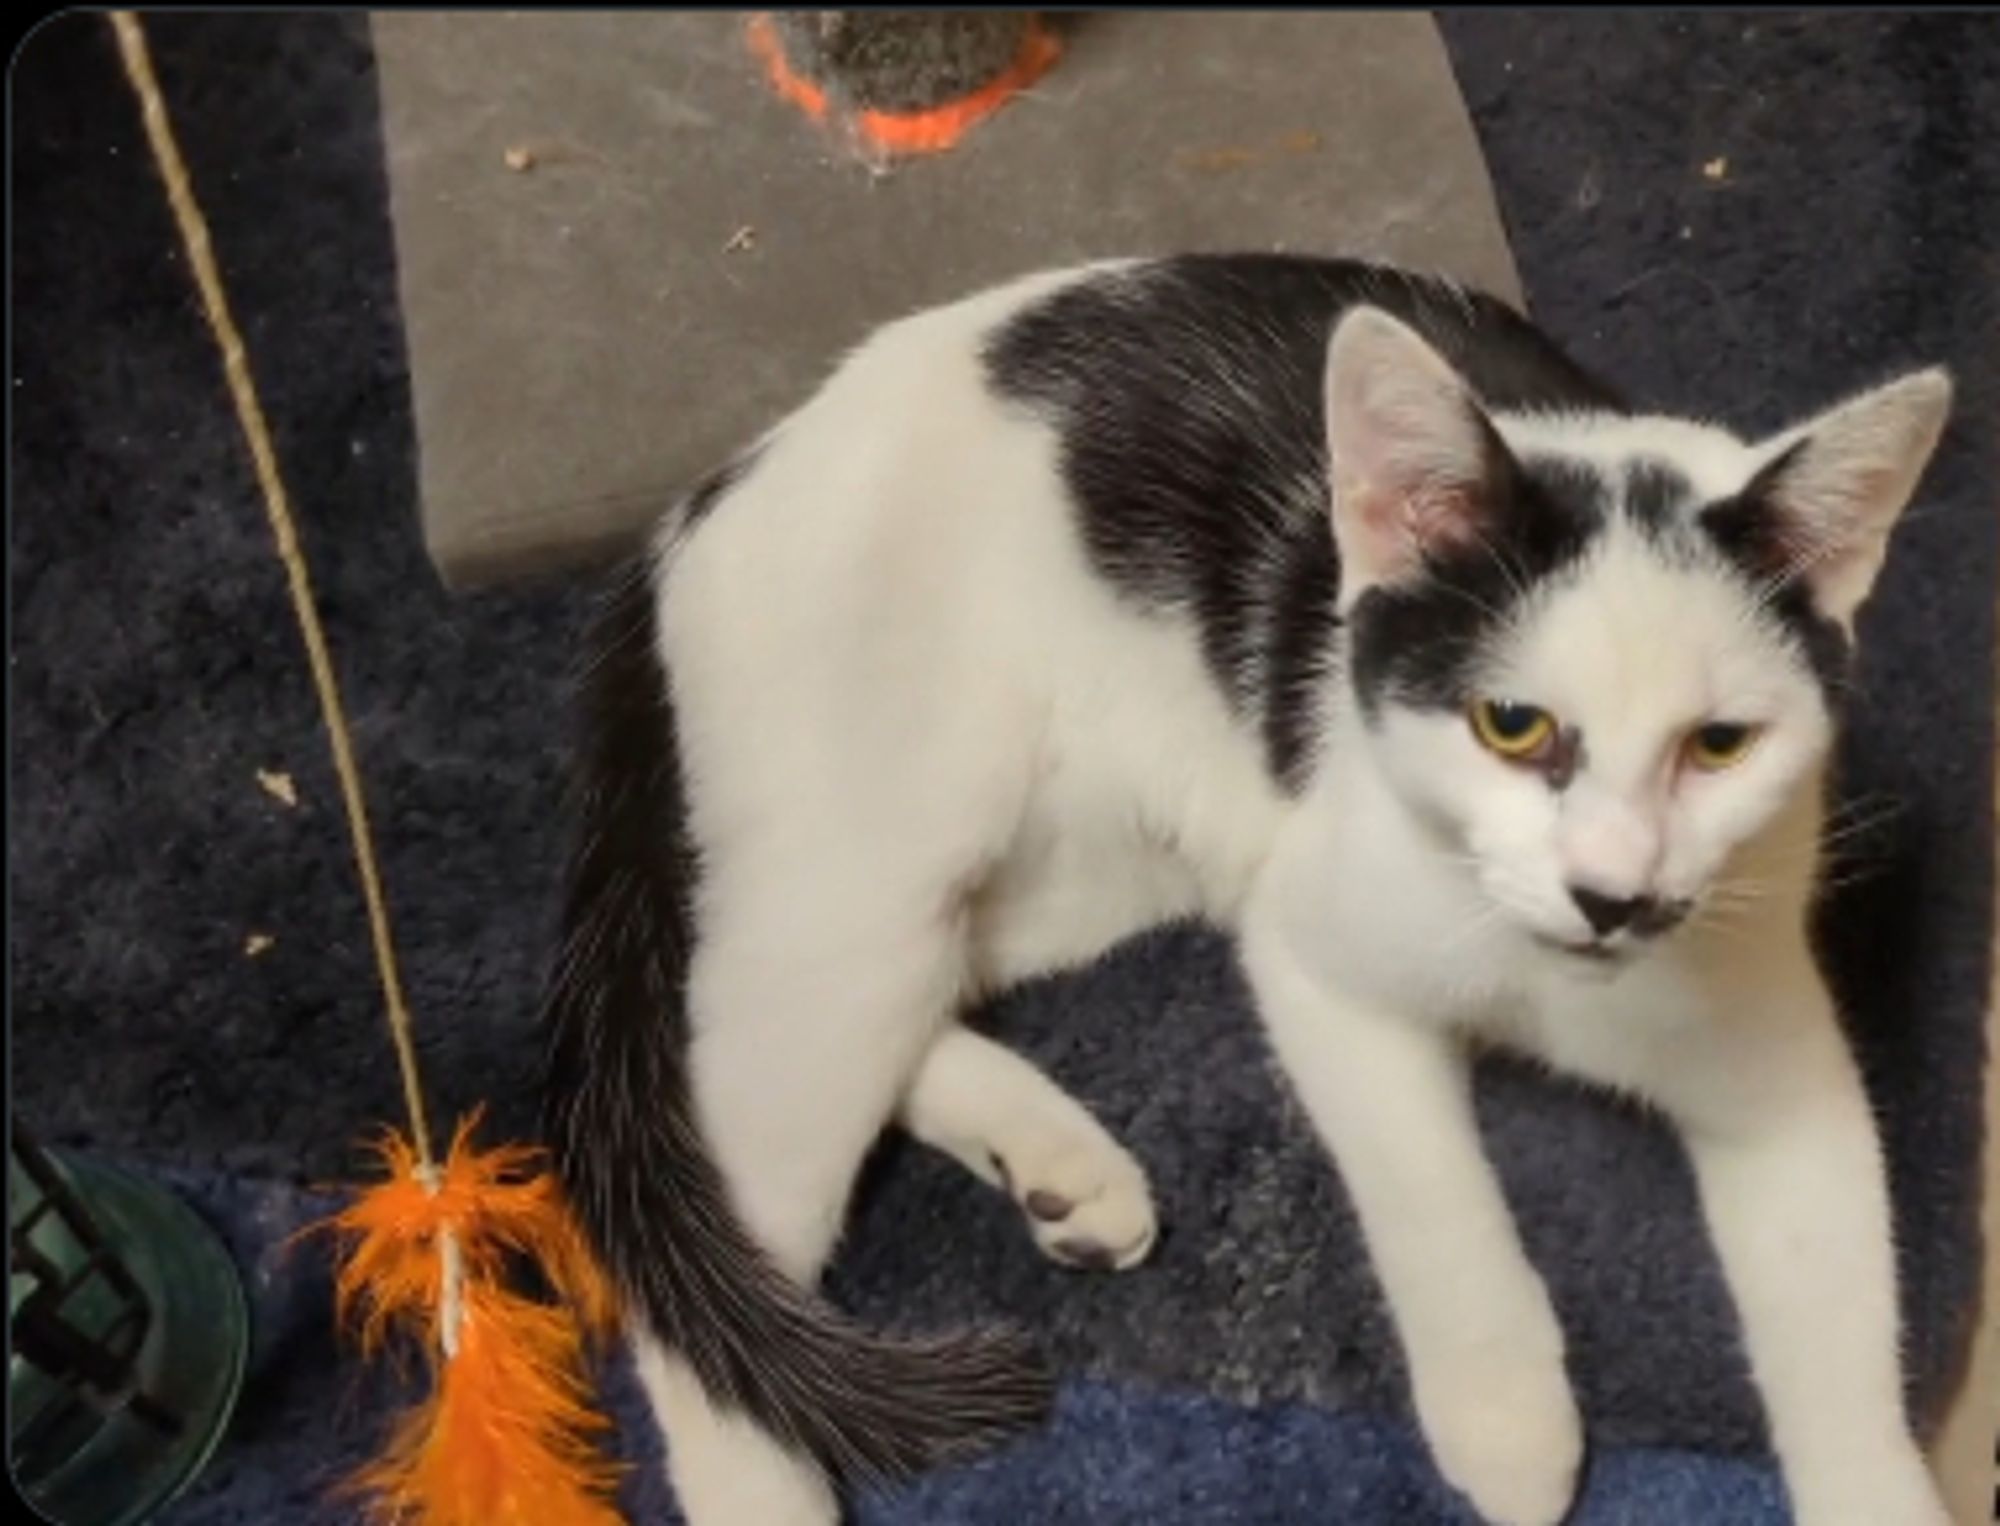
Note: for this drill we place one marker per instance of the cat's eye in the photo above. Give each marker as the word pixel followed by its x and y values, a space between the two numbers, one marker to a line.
pixel 1519 733
pixel 1720 744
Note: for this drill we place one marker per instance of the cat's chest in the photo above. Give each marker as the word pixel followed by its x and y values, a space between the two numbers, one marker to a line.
pixel 1616 1027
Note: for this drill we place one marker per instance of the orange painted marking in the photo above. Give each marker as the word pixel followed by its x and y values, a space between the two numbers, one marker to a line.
pixel 911 132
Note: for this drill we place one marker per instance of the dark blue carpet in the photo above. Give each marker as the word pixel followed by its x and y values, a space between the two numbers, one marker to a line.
pixel 1115 1455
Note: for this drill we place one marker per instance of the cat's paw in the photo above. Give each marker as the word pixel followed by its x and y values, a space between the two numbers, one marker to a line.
pixel 1505 1433
pixel 1084 1197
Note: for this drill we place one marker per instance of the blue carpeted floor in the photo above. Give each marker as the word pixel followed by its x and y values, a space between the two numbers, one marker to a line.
pixel 1117 1454
pixel 1851 223
pixel 1125 1457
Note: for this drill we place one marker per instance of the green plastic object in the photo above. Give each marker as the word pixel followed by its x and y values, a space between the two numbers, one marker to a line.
pixel 128 1334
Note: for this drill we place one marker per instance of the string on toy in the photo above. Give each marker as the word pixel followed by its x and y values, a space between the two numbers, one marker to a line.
pixel 284 529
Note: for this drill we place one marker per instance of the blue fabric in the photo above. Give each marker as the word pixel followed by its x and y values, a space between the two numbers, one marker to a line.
pixel 1114 1453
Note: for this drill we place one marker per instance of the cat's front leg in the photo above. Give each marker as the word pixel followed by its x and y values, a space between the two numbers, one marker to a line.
pixel 1392 1101
pixel 1792 1184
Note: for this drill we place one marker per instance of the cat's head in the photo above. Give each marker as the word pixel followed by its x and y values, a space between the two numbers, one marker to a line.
pixel 1596 653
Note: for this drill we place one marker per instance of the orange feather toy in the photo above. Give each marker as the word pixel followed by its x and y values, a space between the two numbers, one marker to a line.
pixel 506 1438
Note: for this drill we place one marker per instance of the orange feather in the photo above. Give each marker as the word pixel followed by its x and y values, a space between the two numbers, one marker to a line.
pixel 507 1436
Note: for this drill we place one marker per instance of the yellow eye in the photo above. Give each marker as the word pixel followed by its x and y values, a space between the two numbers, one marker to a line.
pixel 1720 744
pixel 1519 733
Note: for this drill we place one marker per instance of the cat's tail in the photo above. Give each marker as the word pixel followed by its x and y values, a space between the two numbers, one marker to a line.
pixel 628 1149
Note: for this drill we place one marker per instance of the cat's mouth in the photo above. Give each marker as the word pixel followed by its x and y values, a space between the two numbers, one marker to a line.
pixel 1593 950
pixel 1616 946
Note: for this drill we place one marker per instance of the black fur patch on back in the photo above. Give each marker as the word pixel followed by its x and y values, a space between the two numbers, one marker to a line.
pixel 1188 397
pixel 1300 648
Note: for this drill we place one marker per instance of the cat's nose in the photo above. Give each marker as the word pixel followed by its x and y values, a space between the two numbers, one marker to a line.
pixel 1607 913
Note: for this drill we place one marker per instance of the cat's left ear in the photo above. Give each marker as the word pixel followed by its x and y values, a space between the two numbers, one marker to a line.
pixel 1823 507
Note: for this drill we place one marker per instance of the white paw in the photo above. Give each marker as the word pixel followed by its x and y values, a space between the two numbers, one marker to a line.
pixel 1505 1433
pixel 1084 1197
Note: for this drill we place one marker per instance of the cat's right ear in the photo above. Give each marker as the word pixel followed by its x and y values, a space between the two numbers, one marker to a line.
pixel 1414 461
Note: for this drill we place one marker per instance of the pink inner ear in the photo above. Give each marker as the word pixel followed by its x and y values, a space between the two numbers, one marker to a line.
pixel 1444 515
pixel 1407 437
pixel 1399 526
pixel 1781 546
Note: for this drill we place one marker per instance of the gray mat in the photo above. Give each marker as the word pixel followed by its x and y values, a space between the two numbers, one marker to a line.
pixel 685 254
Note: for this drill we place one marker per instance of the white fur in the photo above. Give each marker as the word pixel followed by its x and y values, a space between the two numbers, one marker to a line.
pixel 1712 458
pixel 929 752
pixel 723 1468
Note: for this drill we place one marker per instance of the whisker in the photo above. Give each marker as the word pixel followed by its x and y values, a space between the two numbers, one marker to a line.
pixel 1737 900
pixel 1473 599
pixel 1713 919
pixel 1507 570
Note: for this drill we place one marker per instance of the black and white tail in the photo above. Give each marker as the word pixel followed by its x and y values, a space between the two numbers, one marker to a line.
pixel 623 1132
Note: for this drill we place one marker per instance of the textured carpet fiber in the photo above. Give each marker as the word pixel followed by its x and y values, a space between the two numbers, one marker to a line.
pixel 1736 214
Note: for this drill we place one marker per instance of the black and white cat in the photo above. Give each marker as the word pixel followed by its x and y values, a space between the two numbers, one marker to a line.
pixel 1328 602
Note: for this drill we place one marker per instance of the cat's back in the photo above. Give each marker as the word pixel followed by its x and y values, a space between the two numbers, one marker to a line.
pixel 903 479
pixel 1167 387
pixel 1210 345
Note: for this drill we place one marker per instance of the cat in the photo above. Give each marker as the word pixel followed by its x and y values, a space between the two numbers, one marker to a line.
pixel 1327 601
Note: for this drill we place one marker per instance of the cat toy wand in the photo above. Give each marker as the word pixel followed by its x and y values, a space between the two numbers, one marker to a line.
pixel 507 1433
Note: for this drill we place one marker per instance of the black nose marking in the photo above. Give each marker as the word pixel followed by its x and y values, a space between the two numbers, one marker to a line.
pixel 1647 916
pixel 1658 916
pixel 1606 913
